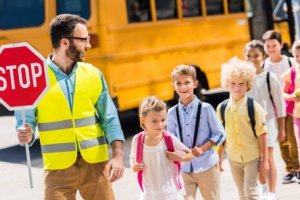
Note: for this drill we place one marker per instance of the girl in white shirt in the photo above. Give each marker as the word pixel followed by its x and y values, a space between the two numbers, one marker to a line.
pixel 271 99
pixel 160 173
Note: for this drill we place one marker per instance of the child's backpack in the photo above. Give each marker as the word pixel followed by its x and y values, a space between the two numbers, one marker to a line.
pixel 251 113
pixel 139 155
pixel 289 105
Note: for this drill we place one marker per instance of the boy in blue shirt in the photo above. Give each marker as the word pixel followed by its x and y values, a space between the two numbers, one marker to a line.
pixel 196 124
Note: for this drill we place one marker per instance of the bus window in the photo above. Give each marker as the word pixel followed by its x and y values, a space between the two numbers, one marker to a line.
pixel 21 13
pixel 214 7
pixel 77 7
pixel 236 6
pixel 191 8
pixel 166 9
pixel 138 11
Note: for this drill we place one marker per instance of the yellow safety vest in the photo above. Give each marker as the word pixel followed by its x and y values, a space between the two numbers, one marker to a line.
pixel 62 131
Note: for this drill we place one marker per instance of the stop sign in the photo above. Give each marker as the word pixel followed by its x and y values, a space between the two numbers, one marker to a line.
pixel 23 76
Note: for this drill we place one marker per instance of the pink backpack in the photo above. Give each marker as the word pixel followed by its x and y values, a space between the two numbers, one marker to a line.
pixel 139 155
pixel 289 105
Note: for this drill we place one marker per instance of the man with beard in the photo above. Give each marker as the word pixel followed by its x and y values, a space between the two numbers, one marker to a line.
pixel 76 119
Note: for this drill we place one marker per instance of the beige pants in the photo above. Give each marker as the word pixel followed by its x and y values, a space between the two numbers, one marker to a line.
pixel 245 177
pixel 207 181
pixel 85 177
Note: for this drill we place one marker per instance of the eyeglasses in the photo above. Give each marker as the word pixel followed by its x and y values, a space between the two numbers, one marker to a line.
pixel 84 39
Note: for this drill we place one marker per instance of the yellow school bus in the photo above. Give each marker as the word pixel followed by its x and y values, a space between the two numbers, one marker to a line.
pixel 137 43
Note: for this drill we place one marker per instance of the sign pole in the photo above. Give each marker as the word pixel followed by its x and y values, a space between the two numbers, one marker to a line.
pixel 27 152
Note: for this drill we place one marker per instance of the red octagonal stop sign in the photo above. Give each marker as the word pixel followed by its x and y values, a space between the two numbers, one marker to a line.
pixel 23 76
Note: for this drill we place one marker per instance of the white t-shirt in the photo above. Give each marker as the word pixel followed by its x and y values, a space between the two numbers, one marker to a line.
pixel 159 175
pixel 278 68
pixel 260 93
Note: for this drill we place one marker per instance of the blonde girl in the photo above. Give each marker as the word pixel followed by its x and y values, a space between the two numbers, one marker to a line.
pixel 267 91
pixel 160 174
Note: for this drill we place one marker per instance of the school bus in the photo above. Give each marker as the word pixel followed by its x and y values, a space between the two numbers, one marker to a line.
pixel 137 43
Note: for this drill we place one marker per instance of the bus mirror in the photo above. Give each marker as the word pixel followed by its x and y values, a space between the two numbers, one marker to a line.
pixel 94 40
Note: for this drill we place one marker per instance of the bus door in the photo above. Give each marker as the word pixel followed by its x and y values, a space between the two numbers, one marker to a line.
pixel 273 14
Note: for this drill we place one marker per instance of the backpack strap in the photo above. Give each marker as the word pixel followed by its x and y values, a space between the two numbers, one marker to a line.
pixel 171 148
pixel 293 75
pixel 290 63
pixel 196 125
pixel 251 114
pixel 269 89
pixel 179 124
pixel 139 156
pixel 222 111
pixel 168 141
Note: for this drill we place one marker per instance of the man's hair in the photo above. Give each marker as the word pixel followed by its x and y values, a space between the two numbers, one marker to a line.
pixel 62 26
pixel 187 70
pixel 272 35
pixel 296 45
pixel 237 69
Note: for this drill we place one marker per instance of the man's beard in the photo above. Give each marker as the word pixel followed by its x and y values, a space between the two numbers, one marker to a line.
pixel 74 54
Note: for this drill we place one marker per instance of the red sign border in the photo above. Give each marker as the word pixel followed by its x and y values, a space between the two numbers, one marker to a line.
pixel 40 56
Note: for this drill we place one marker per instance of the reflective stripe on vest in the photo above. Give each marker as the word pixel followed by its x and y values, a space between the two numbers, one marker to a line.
pixel 65 147
pixel 67 124
pixel 92 142
pixel 54 148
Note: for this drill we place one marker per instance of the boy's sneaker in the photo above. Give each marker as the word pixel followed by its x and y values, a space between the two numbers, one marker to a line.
pixel 263 196
pixel 263 192
pixel 288 178
pixel 271 196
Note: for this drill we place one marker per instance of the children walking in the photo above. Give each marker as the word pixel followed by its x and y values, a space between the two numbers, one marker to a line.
pixel 196 124
pixel 295 96
pixel 278 64
pixel 158 176
pixel 246 146
pixel 267 92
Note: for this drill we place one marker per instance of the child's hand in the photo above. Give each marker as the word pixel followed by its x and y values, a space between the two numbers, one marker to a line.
pixel 296 98
pixel 136 167
pixel 197 151
pixel 220 153
pixel 174 156
pixel 263 167
pixel 221 166
pixel 186 157
pixel 281 136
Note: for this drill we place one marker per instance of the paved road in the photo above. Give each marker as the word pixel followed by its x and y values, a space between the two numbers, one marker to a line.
pixel 15 183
